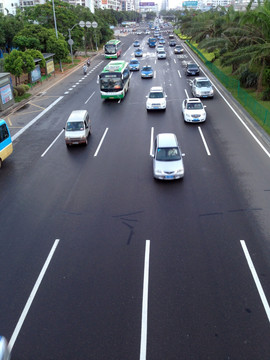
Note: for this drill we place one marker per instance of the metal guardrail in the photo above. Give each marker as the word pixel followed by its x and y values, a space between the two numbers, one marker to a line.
pixel 261 114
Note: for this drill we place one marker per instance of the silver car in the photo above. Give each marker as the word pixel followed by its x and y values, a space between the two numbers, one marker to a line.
pixel 161 54
pixel 167 158
pixel 4 349
pixel 201 87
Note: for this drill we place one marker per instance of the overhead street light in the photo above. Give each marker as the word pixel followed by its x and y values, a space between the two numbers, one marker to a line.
pixel 82 24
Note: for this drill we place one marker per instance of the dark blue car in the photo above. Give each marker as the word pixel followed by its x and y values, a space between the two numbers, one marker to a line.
pixel 147 72
pixel 138 52
pixel 134 65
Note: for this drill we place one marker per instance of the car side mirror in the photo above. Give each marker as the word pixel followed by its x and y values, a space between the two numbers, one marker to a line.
pixel 204 106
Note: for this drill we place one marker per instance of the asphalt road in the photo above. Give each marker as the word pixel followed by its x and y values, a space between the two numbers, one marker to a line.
pixel 120 266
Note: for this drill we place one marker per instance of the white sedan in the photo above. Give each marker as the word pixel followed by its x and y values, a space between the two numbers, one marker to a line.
pixel 193 110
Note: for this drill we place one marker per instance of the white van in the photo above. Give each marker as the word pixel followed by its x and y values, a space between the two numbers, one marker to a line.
pixel 78 127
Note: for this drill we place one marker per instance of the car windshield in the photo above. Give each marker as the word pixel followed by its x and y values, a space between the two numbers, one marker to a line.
pixel 156 95
pixel 192 66
pixel 194 106
pixel 168 154
pixel 134 62
pixel 147 68
pixel 203 84
pixel 75 126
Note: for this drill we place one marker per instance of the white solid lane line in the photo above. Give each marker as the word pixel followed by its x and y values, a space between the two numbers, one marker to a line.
pixel 89 97
pixel 179 73
pixel 101 141
pixel 32 296
pixel 20 132
pixel 152 142
pixel 256 279
pixel 236 114
pixel 204 141
pixel 145 302
pixel 48 148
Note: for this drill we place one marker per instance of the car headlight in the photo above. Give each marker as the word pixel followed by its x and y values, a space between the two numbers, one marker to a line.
pixel 179 171
pixel 158 171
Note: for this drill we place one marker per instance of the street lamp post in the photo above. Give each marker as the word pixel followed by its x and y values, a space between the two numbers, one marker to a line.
pixel 95 25
pixel 82 24
pixel 56 32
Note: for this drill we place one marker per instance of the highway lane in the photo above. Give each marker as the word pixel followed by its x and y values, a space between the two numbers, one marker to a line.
pixel 202 300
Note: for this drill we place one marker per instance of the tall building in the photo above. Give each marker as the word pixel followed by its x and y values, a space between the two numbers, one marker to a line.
pixel 164 5
pixel 86 3
pixel 127 5
pixel 110 4
pixel 146 6
pixel 9 6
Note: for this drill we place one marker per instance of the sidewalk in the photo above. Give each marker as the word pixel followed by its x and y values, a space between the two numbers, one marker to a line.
pixel 43 87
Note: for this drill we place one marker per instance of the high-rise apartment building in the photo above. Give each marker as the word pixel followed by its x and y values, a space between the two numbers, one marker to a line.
pixel 9 6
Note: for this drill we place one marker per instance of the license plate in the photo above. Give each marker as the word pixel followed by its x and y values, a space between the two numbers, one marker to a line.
pixel 169 177
pixel 196 120
pixel 75 143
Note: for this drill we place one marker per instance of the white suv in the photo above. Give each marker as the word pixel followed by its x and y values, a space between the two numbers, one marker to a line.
pixel 156 99
pixel 193 110
pixel 201 87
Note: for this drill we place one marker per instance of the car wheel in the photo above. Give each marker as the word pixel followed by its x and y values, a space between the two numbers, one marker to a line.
pixel 1 163
pixel 86 142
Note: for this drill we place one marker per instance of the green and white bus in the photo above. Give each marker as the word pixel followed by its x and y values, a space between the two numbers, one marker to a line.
pixel 113 49
pixel 114 80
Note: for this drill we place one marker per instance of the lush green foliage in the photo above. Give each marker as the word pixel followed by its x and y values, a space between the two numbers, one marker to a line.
pixel 238 39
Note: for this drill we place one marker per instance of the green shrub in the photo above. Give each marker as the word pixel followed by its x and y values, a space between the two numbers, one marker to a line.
pixel 26 87
pixel 20 89
pixel 248 79
pixel 266 94
pixel 15 92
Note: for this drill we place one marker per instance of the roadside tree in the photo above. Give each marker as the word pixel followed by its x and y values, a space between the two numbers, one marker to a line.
pixel 18 63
